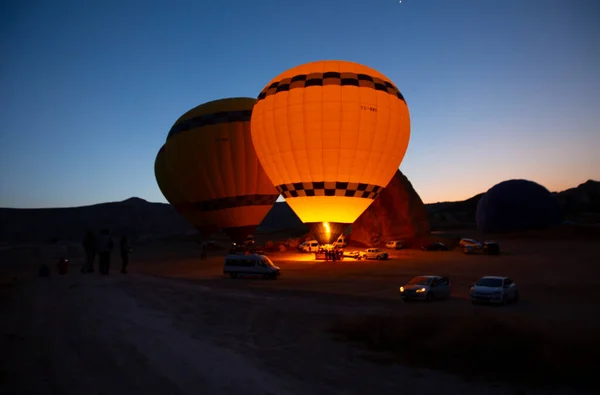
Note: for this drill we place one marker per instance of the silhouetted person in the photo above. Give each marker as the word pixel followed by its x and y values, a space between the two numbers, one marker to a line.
pixel 90 245
pixel 44 271
pixel 105 246
pixel 125 249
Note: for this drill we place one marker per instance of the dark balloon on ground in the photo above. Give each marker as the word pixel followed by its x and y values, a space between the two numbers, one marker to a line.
pixel 517 205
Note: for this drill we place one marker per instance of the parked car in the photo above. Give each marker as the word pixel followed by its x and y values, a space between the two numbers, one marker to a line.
pixel 373 253
pixel 491 248
pixel 494 289
pixel 469 243
pixel 309 246
pixel 396 244
pixel 250 265
pixel 341 242
pixel 352 254
pixel 437 246
pixel 427 287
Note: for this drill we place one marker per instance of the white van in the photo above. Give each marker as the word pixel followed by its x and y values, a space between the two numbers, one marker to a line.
pixel 309 246
pixel 341 242
pixel 250 265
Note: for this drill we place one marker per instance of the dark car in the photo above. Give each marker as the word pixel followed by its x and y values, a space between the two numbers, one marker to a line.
pixel 491 248
pixel 437 246
pixel 427 287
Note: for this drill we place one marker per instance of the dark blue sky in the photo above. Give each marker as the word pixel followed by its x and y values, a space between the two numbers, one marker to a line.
pixel 496 89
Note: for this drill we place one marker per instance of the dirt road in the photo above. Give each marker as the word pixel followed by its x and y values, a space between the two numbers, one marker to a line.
pixel 74 336
pixel 89 334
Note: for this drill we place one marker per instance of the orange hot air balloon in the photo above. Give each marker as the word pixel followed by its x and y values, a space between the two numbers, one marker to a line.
pixel 330 136
pixel 176 198
pixel 210 154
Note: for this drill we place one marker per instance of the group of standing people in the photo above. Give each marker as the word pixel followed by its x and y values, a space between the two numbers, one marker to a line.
pixel 334 255
pixel 103 246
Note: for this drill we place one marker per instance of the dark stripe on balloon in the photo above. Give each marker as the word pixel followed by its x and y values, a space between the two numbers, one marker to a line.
pixel 330 188
pixel 236 201
pixel 210 119
pixel 184 206
pixel 332 78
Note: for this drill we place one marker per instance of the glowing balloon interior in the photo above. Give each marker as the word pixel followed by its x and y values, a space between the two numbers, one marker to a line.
pixel 330 135
pixel 210 154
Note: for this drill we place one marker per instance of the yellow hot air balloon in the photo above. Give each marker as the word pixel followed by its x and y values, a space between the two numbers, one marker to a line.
pixel 210 154
pixel 330 136
pixel 176 198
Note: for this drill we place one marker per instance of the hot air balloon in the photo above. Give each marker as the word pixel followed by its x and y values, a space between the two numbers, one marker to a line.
pixel 176 198
pixel 515 205
pixel 330 135
pixel 210 154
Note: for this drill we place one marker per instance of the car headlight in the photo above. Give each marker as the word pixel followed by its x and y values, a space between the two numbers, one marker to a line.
pixel 401 289
pixel 421 290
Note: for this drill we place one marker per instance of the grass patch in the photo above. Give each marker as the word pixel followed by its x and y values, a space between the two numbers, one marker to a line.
pixel 508 347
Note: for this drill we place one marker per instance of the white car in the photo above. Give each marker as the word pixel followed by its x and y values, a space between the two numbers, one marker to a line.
pixel 395 244
pixel 494 289
pixel 469 243
pixel 373 253
pixel 309 246
pixel 427 287
pixel 341 242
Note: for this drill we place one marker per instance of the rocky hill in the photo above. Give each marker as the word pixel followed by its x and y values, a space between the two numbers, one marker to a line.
pixel 135 217
pixel 580 205
pixel 142 219
pixel 450 215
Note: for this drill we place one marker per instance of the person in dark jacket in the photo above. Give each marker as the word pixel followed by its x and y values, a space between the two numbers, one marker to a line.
pixel 125 249
pixel 90 245
pixel 105 246
pixel 44 271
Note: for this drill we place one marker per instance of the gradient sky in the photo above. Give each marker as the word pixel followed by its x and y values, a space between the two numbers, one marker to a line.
pixel 496 89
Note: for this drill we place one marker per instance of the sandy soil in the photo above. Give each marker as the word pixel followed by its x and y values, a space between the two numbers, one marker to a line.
pixel 175 325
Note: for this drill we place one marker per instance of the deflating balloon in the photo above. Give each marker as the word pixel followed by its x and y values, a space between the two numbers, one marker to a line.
pixel 330 135
pixel 517 205
pixel 176 198
pixel 210 154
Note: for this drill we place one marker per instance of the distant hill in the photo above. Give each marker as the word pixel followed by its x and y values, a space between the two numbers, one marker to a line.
pixel 134 216
pixel 579 205
pixel 281 217
pixel 142 219
pixel 447 215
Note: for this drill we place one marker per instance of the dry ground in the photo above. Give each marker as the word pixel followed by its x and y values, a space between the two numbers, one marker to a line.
pixel 175 324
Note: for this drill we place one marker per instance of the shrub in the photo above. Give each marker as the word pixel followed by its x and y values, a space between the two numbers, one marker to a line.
pixel 510 348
